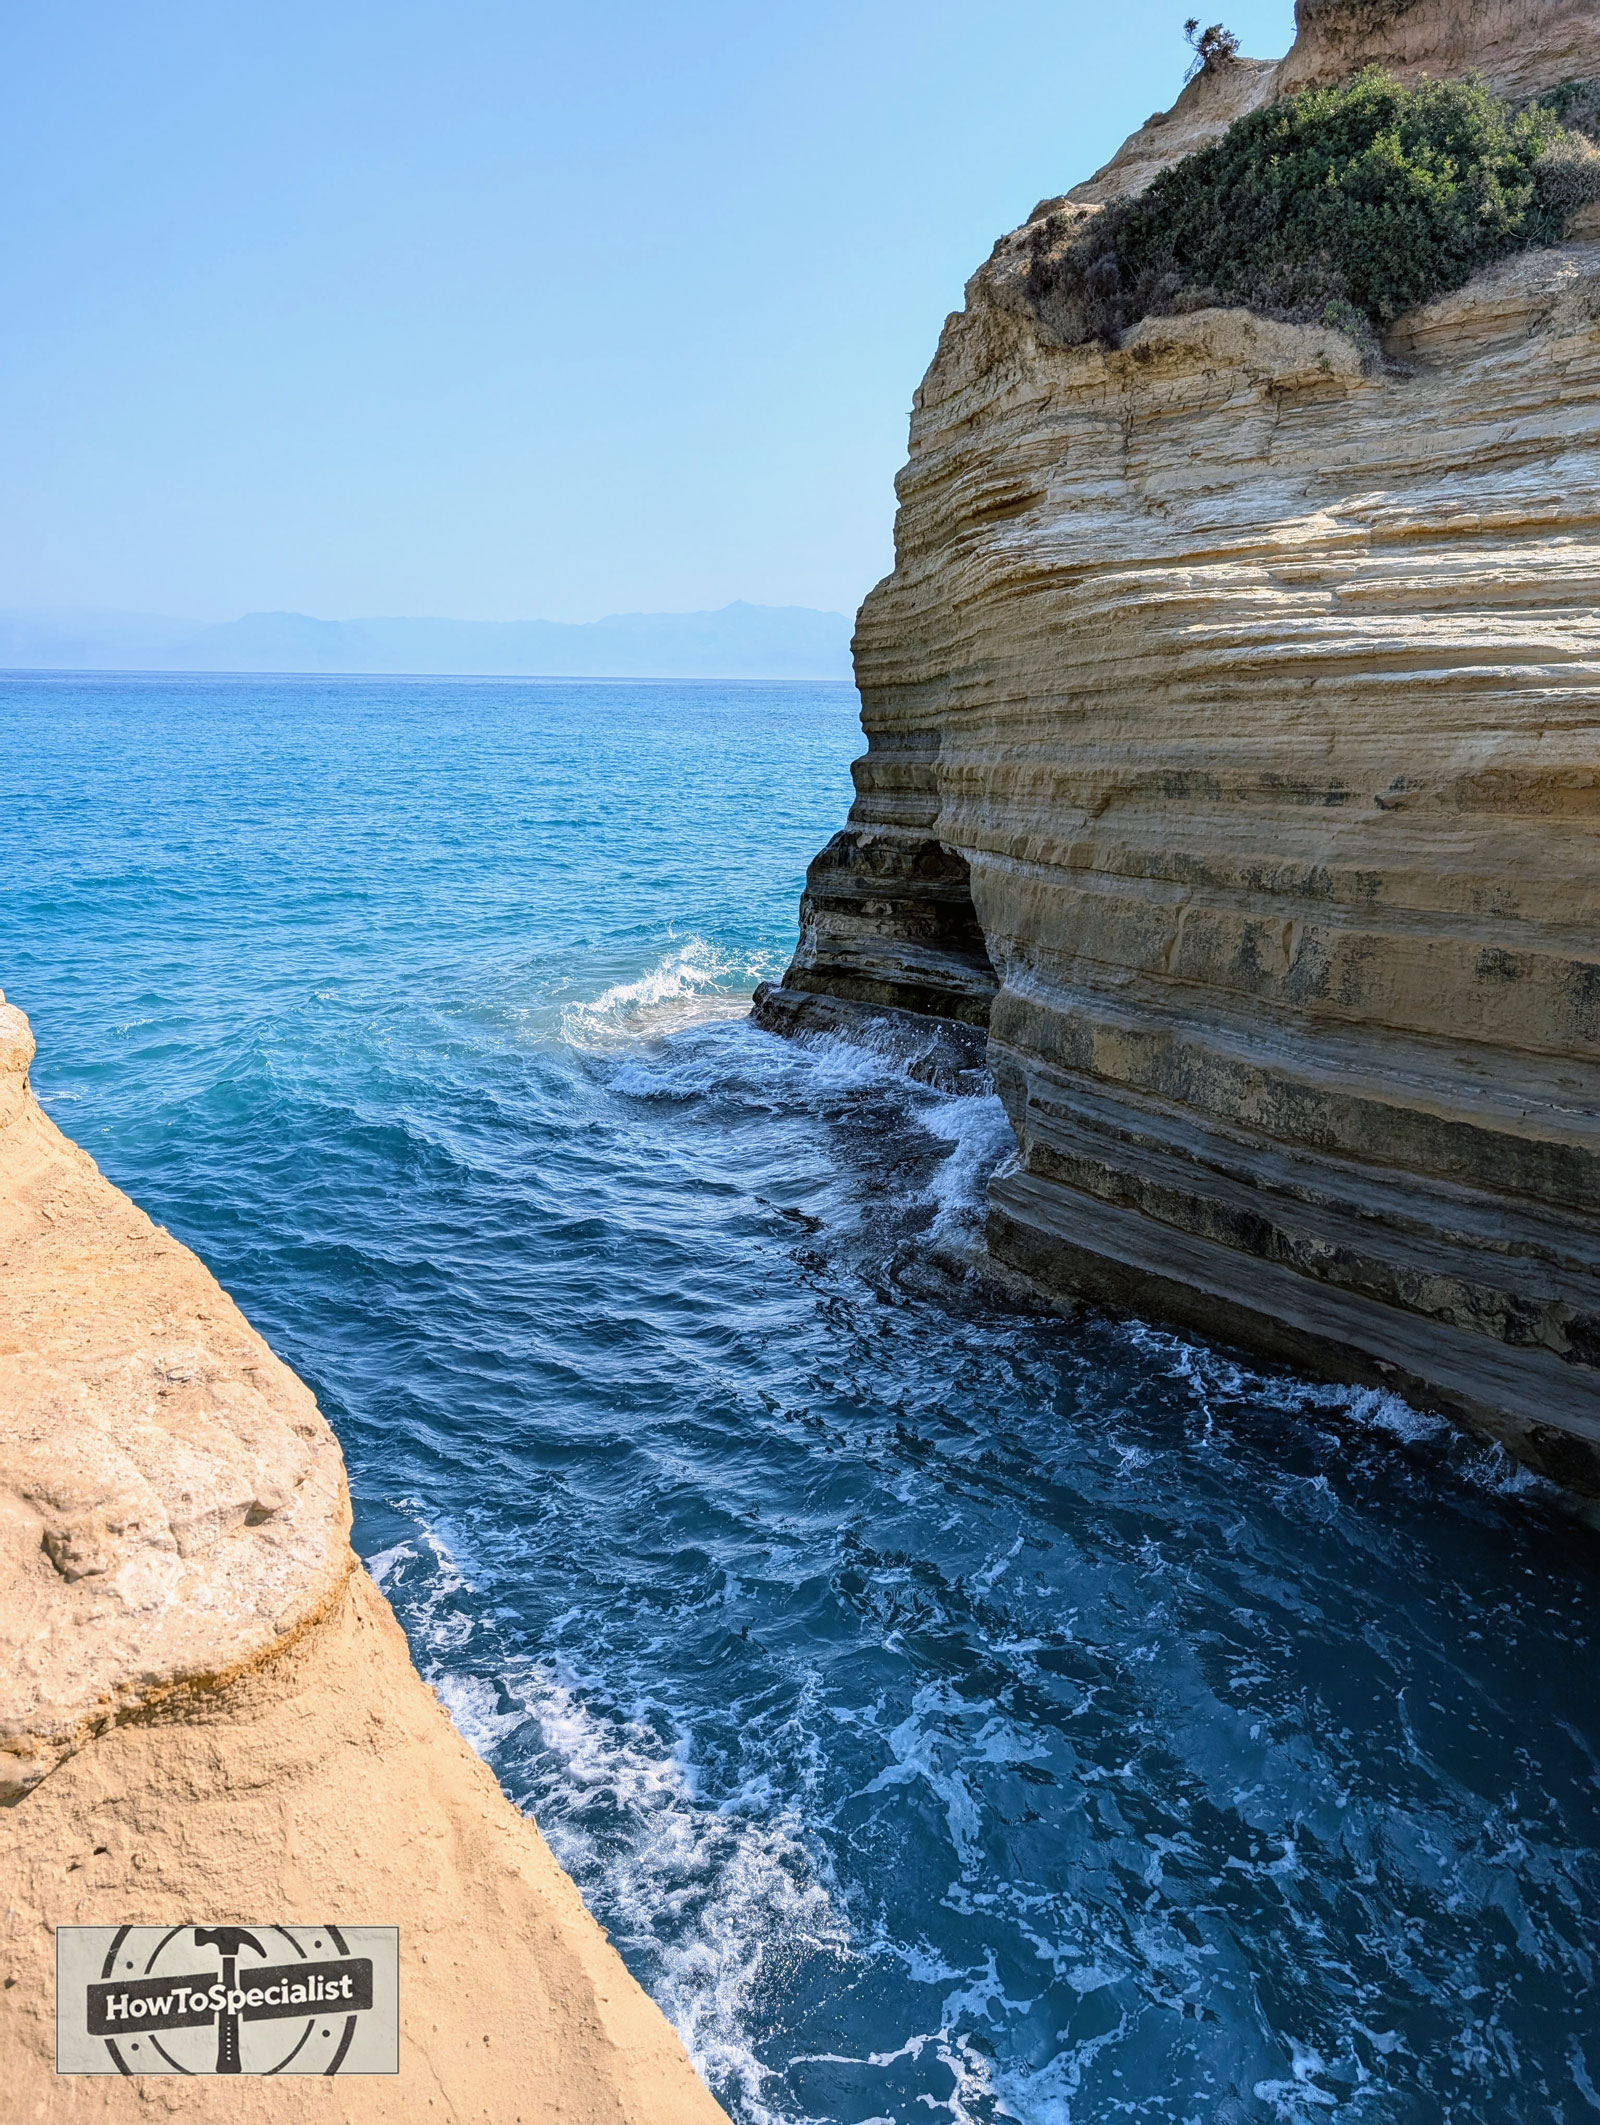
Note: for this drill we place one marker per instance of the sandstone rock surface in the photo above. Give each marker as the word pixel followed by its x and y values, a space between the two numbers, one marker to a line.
pixel 1255 698
pixel 209 1715
pixel 1519 47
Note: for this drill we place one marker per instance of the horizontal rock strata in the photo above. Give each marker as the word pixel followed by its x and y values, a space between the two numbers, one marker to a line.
pixel 1257 693
pixel 208 1713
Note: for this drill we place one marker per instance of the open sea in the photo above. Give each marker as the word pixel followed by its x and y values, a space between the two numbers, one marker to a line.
pixel 953 1713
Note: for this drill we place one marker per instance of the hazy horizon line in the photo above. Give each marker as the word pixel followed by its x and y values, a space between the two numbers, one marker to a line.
pixel 528 678
pixel 737 641
pixel 400 619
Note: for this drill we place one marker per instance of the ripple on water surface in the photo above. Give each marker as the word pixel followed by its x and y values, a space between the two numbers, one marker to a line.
pixel 950 1712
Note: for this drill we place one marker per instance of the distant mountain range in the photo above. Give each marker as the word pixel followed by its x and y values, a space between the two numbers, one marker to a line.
pixel 738 642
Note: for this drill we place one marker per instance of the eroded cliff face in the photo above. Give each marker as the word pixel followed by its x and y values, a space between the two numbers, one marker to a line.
pixel 1519 47
pixel 208 1713
pixel 1259 696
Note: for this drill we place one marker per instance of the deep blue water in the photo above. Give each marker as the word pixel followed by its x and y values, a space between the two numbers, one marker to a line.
pixel 952 1713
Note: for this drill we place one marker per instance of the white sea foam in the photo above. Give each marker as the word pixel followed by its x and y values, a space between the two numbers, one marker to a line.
pixel 382 1565
pixel 760 1070
pixel 1297 2101
pixel 715 1897
pixel 975 1127
pixel 823 1075
pixel 1213 1375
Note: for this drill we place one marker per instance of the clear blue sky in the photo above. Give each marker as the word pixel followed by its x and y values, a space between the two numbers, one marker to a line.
pixel 508 310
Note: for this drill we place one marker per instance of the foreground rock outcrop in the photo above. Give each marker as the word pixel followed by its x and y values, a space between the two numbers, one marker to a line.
pixel 1233 719
pixel 208 1713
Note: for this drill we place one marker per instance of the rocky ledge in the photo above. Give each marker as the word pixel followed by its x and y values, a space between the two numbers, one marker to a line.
pixel 1233 718
pixel 208 1713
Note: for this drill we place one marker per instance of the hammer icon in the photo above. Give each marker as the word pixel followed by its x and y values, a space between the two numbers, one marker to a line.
pixel 227 1940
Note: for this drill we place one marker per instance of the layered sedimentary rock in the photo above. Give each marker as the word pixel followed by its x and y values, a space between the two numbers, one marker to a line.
pixel 1256 691
pixel 208 1714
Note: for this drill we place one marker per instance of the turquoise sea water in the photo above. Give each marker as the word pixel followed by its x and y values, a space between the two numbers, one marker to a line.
pixel 952 1713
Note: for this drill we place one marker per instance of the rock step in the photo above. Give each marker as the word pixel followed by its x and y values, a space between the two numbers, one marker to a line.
pixel 1065 1241
pixel 1505 1126
pixel 1451 1255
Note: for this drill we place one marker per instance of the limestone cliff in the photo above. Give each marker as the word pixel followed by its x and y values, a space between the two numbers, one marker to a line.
pixel 208 1714
pixel 1233 719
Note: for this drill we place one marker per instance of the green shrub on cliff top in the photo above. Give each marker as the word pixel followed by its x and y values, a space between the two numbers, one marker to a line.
pixel 1346 205
pixel 1575 104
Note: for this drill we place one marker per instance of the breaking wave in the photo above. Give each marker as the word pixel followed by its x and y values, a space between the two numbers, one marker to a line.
pixel 692 984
